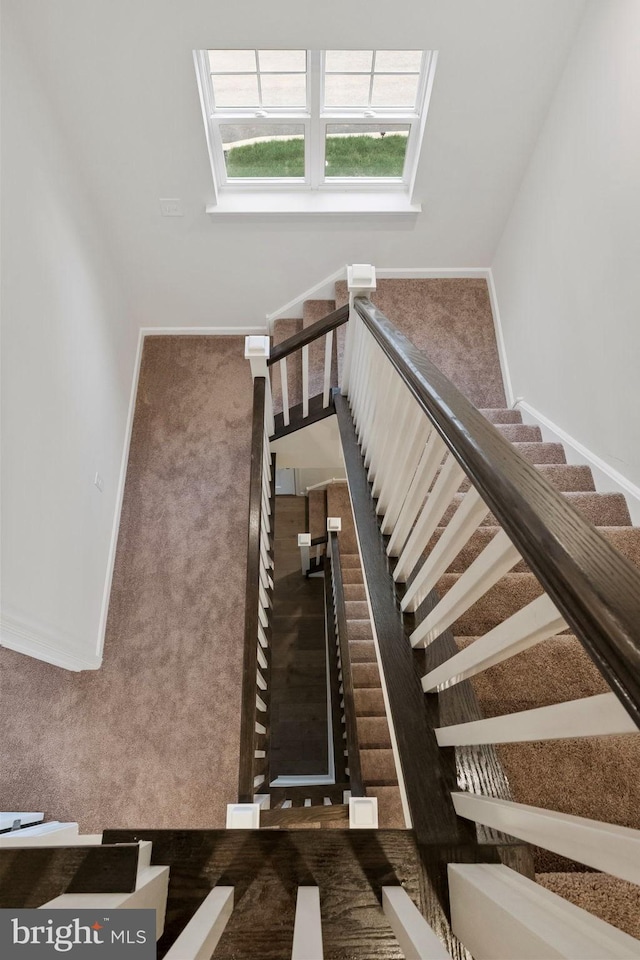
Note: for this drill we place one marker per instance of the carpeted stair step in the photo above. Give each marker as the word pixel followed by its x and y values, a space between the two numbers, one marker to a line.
pixel 502 415
pixel 626 540
pixel 567 476
pixel 354 591
pixel 378 768
pixel 390 812
pixel 519 432
pixel 589 777
pixel 365 675
pixel 556 670
pixel 613 900
pixel 282 330
pixel 541 452
pixel 350 561
pixel 356 609
pixel 509 595
pixel 368 702
pixel 373 733
pixel 317 513
pixel 359 631
pixel 312 311
pixel 362 651
pixel 352 575
pixel 605 509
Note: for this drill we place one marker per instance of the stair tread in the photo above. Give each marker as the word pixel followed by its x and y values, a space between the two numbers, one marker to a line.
pixel 613 900
pixel 500 415
pixel 373 733
pixel 365 675
pixel 369 702
pixel 378 767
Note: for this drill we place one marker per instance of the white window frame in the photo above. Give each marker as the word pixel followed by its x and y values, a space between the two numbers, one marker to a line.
pixel 314 118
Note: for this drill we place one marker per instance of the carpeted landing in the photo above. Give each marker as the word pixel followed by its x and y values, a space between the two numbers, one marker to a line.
pixel 152 738
pixel 595 777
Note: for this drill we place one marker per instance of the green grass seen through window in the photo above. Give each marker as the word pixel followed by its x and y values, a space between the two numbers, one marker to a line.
pixel 351 156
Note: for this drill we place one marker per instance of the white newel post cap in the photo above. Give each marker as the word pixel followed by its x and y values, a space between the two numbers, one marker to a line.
pixel 334 524
pixel 363 813
pixel 243 816
pixel 257 351
pixel 304 539
pixel 361 278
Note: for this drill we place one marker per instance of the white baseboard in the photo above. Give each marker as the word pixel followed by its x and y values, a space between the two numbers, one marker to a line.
pixel 35 640
pixel 320 291
pixel 502 350
pixel 257 331
pixel 606 478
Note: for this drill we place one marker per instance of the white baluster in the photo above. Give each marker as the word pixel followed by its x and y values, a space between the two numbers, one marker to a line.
pixel 307 930
pixel 200 937
pixel 596 716
pixel 438 500
pixel 536 622
pixel 411 421
pixel 416 938
pixel 328 351
pixel 603 846
pixel 430 460
pixel 496 912
pixel 284 381
pixel 460 528
pixel 401 484
pixel 305 381
pixel 497 558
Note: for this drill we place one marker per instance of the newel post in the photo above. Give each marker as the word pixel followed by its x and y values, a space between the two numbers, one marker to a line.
pixel 257 351
pixel 361 282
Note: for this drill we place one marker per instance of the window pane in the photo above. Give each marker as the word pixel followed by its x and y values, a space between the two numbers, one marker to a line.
pixel 240 91
pixel 284 90
pixel 283 60
pixel 263 150
pixel 398 91
pixel 344 90
pixel 398 61
pixel 348 61
pixel 232 61
pixel 365 150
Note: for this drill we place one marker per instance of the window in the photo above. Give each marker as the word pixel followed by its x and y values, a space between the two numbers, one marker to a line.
pixel 312 121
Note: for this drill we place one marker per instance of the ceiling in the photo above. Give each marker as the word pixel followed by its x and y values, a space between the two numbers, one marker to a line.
pixel 119 79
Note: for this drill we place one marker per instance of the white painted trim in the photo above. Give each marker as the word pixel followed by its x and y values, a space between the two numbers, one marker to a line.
pixel 256 331
pixel 115 528
pixel 416 938
pixel 606 478
pixel 199 939
pixel 496 912
pixel 502 349
pixel 320 291
pixel 432 273
pixel 38 641
pixel 310 780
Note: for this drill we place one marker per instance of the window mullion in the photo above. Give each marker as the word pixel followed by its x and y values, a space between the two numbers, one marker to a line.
pixel 316 147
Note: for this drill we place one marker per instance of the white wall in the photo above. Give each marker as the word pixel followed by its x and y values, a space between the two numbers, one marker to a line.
pixel 67 365
pixel 122 75
pixel 567 268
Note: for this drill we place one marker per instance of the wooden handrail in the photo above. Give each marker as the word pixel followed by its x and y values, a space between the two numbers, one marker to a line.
pixel 309 334
pixel 353 750
pixel 250 656
pixel 596 589
pixel 315 541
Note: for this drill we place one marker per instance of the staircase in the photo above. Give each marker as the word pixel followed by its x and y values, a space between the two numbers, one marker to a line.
pixel 482 619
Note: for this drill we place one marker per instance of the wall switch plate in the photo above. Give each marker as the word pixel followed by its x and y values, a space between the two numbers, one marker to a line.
pixel 98 482
pixel 171 207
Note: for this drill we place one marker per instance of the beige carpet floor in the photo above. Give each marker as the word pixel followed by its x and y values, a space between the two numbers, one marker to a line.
pixel 151 739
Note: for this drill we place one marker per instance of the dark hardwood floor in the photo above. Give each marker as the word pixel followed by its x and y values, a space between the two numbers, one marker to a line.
pixel 299 741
